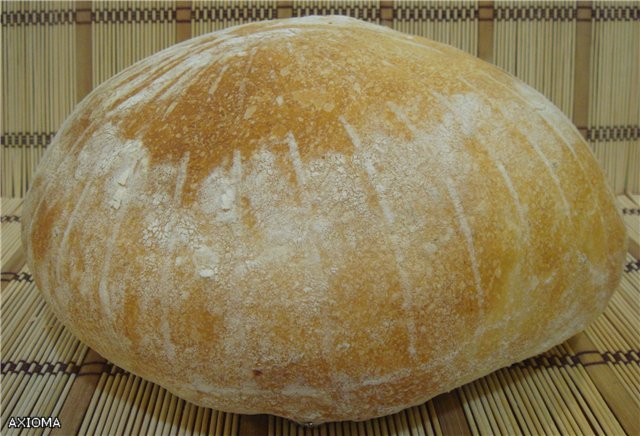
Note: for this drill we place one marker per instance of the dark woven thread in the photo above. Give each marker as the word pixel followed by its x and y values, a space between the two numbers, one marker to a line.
pixel 541 361
pixel 233 12
pixel 24 367
pixel 614 133
pixel 621 357
pixel 134 15
pixel 36 368
pixel 548 362
pixel 434 12
pixel 20 139
pixel 616 13
pixel 363 12
pixel 630 211
pixel 573 360
pixel 17 277
pixel 10 219
pixel 25 18
pixel 557 12
pixel 633 266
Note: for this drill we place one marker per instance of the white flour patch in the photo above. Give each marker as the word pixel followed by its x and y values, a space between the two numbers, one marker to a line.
pixel 206 261
pixel 214 86
pixel 217 196
pixel 295 159
pixel 249 112
pixel 468 235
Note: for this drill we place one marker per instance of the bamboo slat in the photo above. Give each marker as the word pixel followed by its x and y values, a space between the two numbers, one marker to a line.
pixel 211 15
pixel 589 384
pixel 630 213
pixel 38 89
pixel 125 32
pixel 614 113
pixel 10 244
pixel 450 22
pixel 368 10
pixel 535 41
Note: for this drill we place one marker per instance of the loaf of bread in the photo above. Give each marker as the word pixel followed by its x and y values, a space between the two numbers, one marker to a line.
pixel 321 219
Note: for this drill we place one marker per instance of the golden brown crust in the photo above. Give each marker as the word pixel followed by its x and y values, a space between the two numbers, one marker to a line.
pixel 320 218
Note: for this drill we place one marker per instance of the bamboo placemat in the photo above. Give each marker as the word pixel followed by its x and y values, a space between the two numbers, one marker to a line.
pixel 583 55
pixel 589 384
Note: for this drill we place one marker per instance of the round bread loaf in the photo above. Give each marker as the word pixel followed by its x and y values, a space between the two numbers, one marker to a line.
pixel 321 219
